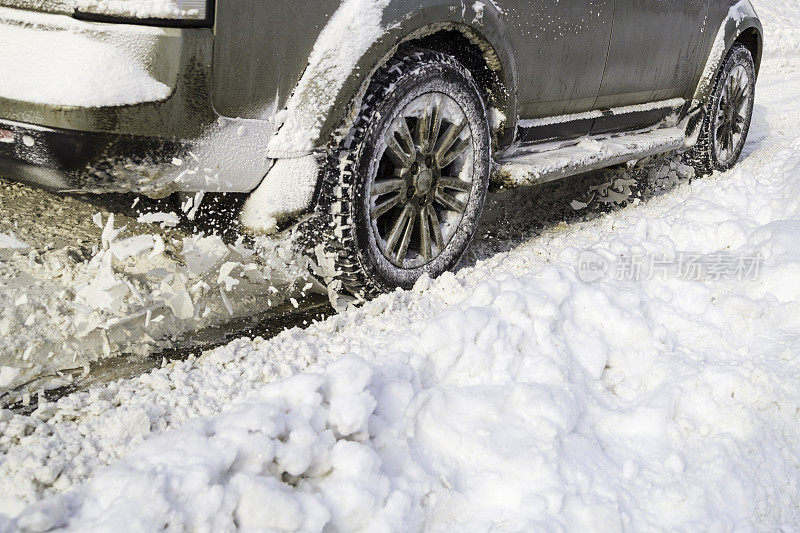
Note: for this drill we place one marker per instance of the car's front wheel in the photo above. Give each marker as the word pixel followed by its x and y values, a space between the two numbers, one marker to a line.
pixel 728 113
pixel 404 193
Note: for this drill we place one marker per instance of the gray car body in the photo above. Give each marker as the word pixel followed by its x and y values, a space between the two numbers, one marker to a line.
pixel 229 82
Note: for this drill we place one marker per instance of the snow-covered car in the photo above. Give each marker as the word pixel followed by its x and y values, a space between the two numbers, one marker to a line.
pixel 369 128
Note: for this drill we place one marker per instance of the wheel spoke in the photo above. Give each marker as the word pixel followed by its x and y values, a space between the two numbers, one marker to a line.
pixel 386 206
pixel 720 134
pixel 380 188
pixel 733 88
pixel 425 235
pixel 409 230
pixel 459 149
pixel 398 229
pixel 742 99
pixel 428 128
pixel 450 202
pixel 396 153
pixel 436 126
pixel 405 135
pixel 423 129
pixel 447 182
pixel 437 230
pixel 448 139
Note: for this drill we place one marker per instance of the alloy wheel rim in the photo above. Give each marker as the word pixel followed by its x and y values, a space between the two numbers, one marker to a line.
pixel 423 182
pixel 731 114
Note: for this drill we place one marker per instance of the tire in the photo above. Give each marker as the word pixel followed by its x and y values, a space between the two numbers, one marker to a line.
pixel 387 194
pixel 714 151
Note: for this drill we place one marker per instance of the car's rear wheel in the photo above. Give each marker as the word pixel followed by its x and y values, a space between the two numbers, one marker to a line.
pixel 728 113
pixel 404 192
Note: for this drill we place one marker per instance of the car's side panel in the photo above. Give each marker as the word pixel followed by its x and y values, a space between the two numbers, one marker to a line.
pixel 654 51
pixel 561 48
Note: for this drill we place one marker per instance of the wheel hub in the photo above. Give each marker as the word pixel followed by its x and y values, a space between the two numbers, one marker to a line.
pixel 423 181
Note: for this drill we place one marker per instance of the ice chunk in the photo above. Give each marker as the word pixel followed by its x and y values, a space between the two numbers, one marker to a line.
pixel 202 253
pixel 7 375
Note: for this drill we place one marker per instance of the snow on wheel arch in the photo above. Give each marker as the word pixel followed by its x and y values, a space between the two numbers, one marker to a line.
pixel 289 186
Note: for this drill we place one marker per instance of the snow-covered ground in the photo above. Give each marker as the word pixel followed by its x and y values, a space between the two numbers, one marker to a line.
pixel 525 392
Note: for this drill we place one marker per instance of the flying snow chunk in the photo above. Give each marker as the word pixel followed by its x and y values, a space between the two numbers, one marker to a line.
pixel 165 219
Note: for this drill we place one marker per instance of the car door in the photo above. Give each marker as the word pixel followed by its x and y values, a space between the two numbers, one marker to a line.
pixel 561 51
pixel 654 53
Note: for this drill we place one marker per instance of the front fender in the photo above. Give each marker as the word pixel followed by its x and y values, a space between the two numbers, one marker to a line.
pixel 741 17
pixel 346 56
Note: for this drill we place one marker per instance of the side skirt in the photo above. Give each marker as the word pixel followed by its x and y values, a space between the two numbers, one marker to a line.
pixel 536 164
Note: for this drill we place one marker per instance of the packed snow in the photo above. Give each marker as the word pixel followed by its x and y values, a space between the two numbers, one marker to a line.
pixel 92 72
pixel 524 392
pixel 159 9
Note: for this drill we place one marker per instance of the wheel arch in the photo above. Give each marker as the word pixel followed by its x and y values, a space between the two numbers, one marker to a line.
pixel 482 44
pixel 753 40
pixel 740 25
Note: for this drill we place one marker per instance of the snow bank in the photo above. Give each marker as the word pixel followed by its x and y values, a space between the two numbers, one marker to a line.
pixel 515 395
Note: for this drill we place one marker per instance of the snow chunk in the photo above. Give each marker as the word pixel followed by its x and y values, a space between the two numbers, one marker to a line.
pixel 7 375
pixel 288 189
pixel 165 219
pixel 203 253
pixel 134 246
pixel 9 241
pixel 105 291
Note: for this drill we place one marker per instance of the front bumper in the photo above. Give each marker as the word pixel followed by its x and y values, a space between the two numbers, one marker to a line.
pixel 89 134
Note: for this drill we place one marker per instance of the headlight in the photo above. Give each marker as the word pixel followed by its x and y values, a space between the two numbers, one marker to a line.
pixel 151 12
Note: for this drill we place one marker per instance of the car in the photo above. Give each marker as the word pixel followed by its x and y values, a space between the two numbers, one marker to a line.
pixel 368 131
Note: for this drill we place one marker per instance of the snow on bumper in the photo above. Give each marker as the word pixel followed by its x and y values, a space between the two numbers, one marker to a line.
pixel 56 60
